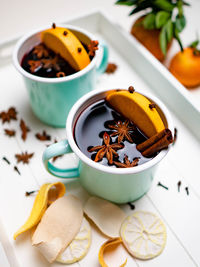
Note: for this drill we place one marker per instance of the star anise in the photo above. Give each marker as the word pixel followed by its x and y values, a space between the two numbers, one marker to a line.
pixel 24 129
pixel 9 133
pixel 106 149
pixel 123 130
pixel 43 137
pixel 111 68
pixel 127 163
pixel 11 114
pixel 34 65
pixel 51 63
pixel 24 157
pixel 40 51
pixel 92 47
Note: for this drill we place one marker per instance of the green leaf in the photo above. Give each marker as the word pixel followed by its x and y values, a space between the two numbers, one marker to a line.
pixel 194 44
pixel 141 6
pixel 126 2
pixel 161 18
pixel 169 30
pixel 180 23
pixel 149 21
pixel 164 5
pixel 163 40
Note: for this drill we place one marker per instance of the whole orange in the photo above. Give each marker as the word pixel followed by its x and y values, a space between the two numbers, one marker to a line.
pixel 149 38
pixel 185 66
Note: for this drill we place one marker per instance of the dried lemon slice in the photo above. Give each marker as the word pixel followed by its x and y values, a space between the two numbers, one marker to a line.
pixel 79 246
pixel 143 234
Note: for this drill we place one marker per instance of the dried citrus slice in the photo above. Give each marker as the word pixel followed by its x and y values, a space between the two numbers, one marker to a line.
pixel 79 246
pixel 64 42
pixel 135 107
pixel 109 244
pixel 46 195
pixel 143 234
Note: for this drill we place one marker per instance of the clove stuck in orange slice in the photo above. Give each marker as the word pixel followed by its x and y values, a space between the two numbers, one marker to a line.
pixel 47 194
pixel 62 41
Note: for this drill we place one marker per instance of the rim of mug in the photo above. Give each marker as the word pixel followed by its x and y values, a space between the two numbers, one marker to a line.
pixel 107 169
pixel 24 38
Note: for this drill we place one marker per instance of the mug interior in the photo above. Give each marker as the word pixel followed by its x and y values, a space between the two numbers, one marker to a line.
pixel 26 44
pixel 93 97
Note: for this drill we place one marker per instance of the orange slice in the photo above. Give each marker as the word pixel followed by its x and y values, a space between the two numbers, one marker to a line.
pixel 64 42
pixel 135 107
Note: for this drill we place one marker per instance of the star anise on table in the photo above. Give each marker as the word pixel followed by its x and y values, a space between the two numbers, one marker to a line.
pixel 51 63
pixel 123 130
pixel 11 114
pixel 92 47
pixel 43 137
pixel 24 129
pixel 9 133
pixel 127 163
pixel 34 65
pixel 24 157
pixel 107 149
pixel 40 51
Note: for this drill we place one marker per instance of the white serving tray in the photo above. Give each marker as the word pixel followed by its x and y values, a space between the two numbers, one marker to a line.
pixel 181 213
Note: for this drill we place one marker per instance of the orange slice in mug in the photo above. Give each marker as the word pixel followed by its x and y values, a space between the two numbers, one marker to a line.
pixel 64 42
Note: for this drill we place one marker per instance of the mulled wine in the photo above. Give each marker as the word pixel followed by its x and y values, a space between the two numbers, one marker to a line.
pixel 107 137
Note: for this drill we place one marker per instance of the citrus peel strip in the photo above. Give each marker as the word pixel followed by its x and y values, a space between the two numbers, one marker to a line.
pixel 143 235
pixel 42 200
pixel 109 243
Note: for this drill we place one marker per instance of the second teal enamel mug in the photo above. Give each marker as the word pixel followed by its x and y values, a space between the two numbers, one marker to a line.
pixel 119 185
pixel 52 98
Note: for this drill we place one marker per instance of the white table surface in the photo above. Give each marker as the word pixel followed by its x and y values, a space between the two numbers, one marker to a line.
pixel 180 212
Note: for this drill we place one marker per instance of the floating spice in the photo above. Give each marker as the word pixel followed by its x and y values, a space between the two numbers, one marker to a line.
pixel 24 129
pixel 9 133
pixel 24 157
pixel 34 65
pixel 60 74
pixel 6 116
pixel 40 51
pixel 111 68
pixel 43 137
pixel 123 130
pixel 107 149
pixel 159 184
pixel 127 163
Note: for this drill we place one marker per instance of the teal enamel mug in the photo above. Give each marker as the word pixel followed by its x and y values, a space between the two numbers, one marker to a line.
pixel 52 98
pixel 119 185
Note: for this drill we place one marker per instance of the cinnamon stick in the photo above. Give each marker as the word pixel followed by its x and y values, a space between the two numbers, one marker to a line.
pixel 155 143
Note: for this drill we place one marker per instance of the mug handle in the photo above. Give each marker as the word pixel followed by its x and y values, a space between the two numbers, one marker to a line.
pixel 54 150
pixel 104 60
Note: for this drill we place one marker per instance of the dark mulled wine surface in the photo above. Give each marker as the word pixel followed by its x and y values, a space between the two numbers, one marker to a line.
pixel 91 126
pixel 43 62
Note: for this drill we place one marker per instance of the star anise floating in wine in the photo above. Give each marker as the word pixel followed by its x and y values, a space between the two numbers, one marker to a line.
pixel 24 157
pixel 127 163
pixel 123 130
pixel 6 116
pixel 51 63
pixel 34 65
pixel 107 149
pixel 40 51
pixel 43 137
pixel 92 47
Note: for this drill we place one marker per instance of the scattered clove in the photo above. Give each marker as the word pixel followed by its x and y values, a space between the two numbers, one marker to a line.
pixel 17 170
pixel 159 184
pixel 28 193
pixel 6 160
pixel 179 185
pixel 132 206
pixel 187 190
